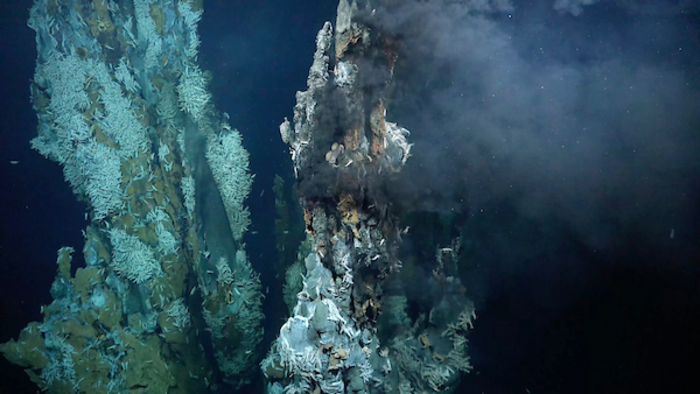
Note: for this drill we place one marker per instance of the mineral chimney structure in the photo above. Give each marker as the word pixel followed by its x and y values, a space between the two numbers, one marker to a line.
pixel 163 298
pixel 344 153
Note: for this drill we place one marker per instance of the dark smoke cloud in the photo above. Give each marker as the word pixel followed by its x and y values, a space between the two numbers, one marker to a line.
pixel 590 118
pixel 569 140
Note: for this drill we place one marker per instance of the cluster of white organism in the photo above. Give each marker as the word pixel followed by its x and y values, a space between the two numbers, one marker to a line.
pixel 225 275
pixel 123 75
pixel 101 171
pixel 345 74
pixel 132 258
pixel 179 313
pixel 397 136
pixel 119 122
pixel 193 93
pixel 191 19
pixel 92 168
pixel 215 323
pixel 187 185
pixel 333 312
pixel 243 303
pixel 167 107
pixel 229 165
pixel 147 33
pixel 61 366
pixel 167 243
pixel 64 78
pixel 333 386
pixel 293 350
pixel 163 152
